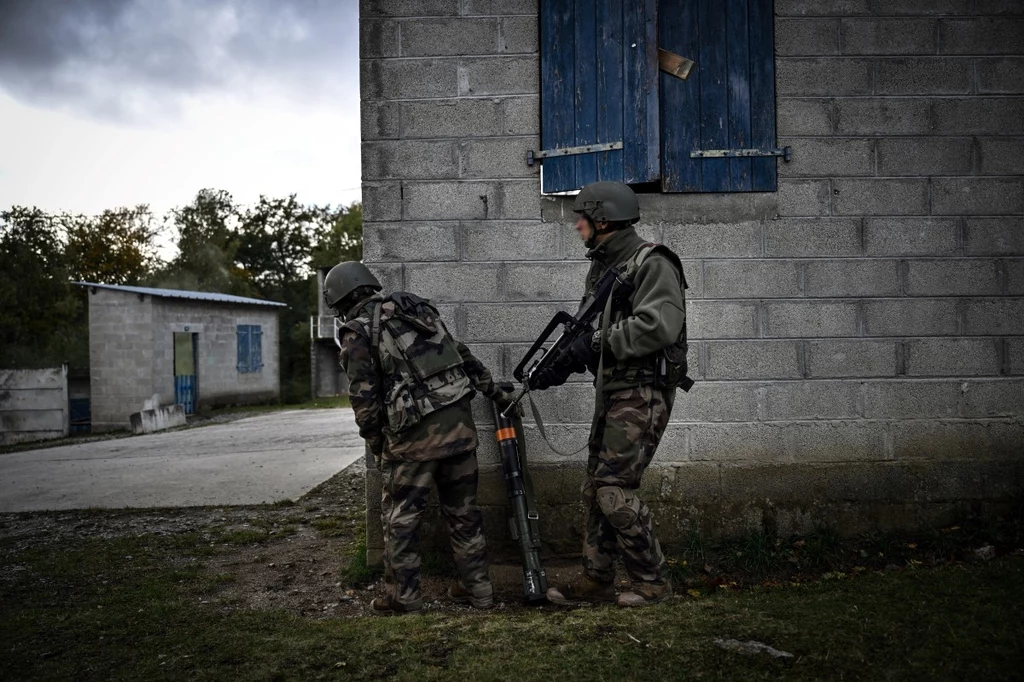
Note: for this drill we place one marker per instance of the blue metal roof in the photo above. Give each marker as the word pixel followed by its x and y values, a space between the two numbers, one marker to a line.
pixel 179 293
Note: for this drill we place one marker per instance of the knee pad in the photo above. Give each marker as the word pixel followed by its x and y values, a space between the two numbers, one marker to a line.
pixel 618 505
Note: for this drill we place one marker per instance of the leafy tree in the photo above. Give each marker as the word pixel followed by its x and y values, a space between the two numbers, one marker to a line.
pixel 276 236
pixel 337 235
pixel 116 247
pixel 207 241
pixel 42 316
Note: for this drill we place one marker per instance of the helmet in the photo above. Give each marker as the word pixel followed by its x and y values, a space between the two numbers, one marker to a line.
pixel 608 202
pixel 344 278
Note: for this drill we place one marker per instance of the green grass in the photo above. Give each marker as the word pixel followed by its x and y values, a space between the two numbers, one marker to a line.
pixel 134 609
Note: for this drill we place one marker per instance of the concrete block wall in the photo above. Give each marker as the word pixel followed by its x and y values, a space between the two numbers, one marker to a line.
pixel 131 353
pixel 120 356
pixel 857 336
pixel 220 382
pixel 34 404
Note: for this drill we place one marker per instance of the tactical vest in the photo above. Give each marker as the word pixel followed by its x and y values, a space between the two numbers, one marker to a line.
pixel 418 360
pixel 666 368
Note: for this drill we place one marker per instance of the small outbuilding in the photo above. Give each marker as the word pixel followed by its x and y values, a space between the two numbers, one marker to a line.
pixel 193 348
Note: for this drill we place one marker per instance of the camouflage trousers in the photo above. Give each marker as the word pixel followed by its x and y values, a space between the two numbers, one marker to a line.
pixel 404 499
pixel 623 439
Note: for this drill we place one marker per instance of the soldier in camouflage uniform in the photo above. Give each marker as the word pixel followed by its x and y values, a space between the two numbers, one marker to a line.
pixel 410 386
pixel 644 359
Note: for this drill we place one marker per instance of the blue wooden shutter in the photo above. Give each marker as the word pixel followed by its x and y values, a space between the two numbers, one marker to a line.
pixel 243 347
pixel 256 348
pixel 728 101
pixel 599 83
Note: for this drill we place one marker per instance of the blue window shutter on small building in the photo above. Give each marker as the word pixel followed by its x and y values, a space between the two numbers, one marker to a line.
pixel 256 349
pixel 728 101
pixel 243 347
pixel 599 83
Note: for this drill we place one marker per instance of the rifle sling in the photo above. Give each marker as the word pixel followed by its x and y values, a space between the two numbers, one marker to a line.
pixel 531 503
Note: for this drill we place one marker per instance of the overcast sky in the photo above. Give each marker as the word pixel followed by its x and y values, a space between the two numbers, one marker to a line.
pixel 107 103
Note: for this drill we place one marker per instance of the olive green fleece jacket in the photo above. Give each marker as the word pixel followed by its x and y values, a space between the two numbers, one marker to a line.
pixel 657 310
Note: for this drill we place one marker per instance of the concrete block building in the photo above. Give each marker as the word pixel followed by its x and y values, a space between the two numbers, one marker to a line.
pixel 194 348
pixel 856 313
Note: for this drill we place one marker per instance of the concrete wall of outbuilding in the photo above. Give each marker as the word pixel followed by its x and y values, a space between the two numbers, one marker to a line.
pixel 857 336
pixel 131 353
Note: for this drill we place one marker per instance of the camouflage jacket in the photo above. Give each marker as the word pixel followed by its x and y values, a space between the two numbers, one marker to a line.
pixel 447 431
pixel 652 319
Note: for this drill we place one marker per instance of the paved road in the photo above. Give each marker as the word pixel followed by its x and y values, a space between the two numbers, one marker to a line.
pixel 258 459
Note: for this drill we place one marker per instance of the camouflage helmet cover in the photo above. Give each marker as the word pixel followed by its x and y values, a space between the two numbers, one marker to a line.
pixel 344 278
pixel 608 202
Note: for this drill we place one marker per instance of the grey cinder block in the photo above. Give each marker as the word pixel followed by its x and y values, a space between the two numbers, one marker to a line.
pixel 822 76
pixel 994 236
pixel 450 118
pixel 1001 75
pixel 803 197
pixel 812 8
pixel 924 76
pixel 505 322
pixel 883 196
pixel 978 196
pixel 1002 155
pixel 913 399
pixel 378 38
pixel 721 320
pixel 410 160
pixel 832 441
pixel 911 236
pixel 981 35
pixel 804 116
pixel 406 8
pixel 920 439
pixel 499 76
pixel 753 360
pixel 501 157
pixel 509 240
pixel 877 36
pixel 449 200
pixel 520 199
pixel 996 398
pixel 952 277
pixel 994 316
pixel 952 357
pixel 499 7
pixel 802 319
pixel 786 400
pixel 399 79
pixel 521 115
pixel 794 37
pixel 724 240
pixel 751 278
pixel 812 237
pixel 834 359
pixel 851 278
pixel 817 157
pixel 910 317
pixel 888 116
pixel 518 35
pixel 979 116
pixel 449 36
pixel 544 281
pixel 382 201
pixel 379 120
pixel 714 401
pixel 927 156
pixel 410 242
pixel 453 282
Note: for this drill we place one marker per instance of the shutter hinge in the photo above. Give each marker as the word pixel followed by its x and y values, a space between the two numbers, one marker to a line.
pixel 531 155
pixel 786 153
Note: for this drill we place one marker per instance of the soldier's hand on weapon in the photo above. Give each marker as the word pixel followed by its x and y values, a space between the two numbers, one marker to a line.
pixel 581 354
pixel 504 400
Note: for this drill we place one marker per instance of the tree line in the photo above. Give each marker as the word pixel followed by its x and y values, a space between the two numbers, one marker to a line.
pixel 269 250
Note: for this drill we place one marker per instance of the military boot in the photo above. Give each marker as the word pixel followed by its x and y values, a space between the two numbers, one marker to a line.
pixel 388 606
pixel 582 589
pixel 481 597
pixel 643 594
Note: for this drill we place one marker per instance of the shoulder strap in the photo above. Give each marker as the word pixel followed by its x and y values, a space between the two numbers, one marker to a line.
pixel 375 336
pixel 645 250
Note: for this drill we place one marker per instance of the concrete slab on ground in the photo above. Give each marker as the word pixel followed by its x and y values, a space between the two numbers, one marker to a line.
pixel 254 460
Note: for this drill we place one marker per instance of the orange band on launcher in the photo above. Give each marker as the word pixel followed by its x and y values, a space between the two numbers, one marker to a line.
pixel 505 434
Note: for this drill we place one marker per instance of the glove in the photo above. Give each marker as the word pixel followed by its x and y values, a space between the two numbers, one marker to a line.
pixel 552 376
pixel 503 400
pixel 580 355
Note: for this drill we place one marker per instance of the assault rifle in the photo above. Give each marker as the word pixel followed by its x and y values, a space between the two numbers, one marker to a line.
pixel 573 326
pixel 523 524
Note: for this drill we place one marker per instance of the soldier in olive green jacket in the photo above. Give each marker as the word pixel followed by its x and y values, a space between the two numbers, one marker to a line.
pixel 643 346
pixel 410 385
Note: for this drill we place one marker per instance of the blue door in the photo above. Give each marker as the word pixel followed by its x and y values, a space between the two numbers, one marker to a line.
pixel 185 393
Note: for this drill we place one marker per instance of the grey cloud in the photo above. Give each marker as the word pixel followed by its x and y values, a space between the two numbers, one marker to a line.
pixel 136 59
